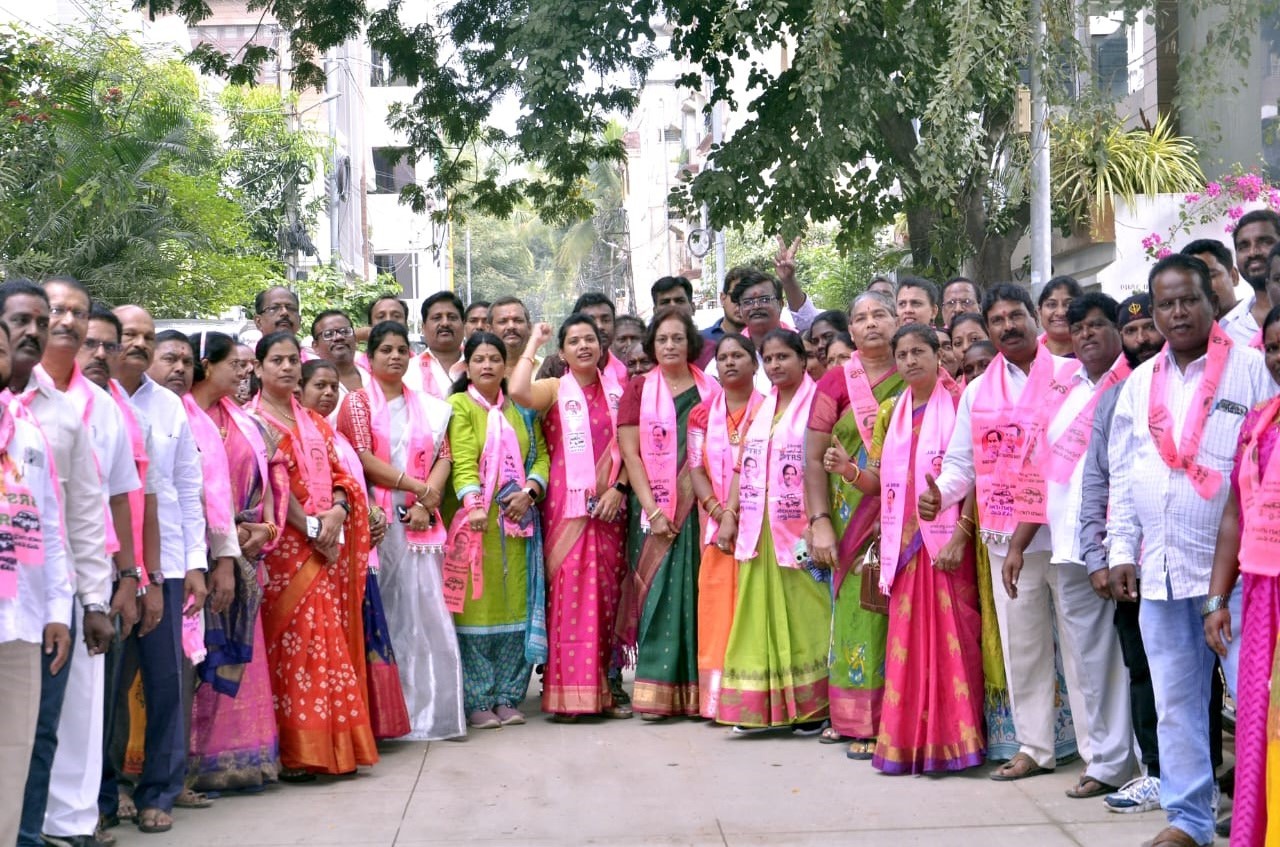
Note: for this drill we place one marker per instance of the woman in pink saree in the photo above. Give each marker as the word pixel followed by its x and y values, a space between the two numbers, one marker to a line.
pixel 584 519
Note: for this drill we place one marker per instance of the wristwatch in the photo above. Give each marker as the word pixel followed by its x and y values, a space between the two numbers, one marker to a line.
pixel 135 573
pixel 533 494
pixel 1214 603
pixel 100 608
pixel 313 528
pixel 346 507
pixel 622 488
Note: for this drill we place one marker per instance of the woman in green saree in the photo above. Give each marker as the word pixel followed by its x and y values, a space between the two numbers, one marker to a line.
pixel 842 518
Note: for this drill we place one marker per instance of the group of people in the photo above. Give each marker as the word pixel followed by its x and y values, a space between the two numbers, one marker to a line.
pixel 942 527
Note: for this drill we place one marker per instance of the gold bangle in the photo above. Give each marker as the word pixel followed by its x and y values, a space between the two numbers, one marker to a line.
pixel 857 475
pixel 399 480
pixel 657 510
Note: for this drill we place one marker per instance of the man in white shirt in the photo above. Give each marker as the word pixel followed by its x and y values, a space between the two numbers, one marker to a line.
pixel 24 307
pixel 1168 491
pixel 1022 610
pixel 1086 608
pixel 35 612
pixel 1254 236
pixel 436 368
pixel 76 777
pixel 179 566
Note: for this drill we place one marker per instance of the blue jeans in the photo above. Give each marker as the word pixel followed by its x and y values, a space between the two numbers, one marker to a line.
pixel 158 655
pixel 1182 666
pixel 53 690
pixel 1231 664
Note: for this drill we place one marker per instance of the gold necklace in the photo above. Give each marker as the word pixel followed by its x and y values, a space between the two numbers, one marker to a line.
pixel 283 413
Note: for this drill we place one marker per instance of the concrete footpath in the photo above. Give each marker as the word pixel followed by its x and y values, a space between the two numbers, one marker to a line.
pixel 635 783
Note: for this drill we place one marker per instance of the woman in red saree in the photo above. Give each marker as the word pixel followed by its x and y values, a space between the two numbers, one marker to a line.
pixel 584 519
pixel 932 719
pixel 315 585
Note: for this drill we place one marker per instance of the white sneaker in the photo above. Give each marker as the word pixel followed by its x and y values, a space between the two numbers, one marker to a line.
pixel 1136 795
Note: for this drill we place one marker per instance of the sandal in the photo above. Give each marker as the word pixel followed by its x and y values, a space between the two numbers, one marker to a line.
pixel 830 735
pixel 861 750
pixel 1089 787
pixel 154 820
pixel 484 719
pixel 1020 766
pixel 296 775
pixel 188 799
pixel 125 810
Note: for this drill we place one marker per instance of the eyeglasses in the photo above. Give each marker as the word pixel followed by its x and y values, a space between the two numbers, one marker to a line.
pixel 960 303
pixel 111 348
pixel 277 308
pixel 59 311
pixel 341 332
pixel 762 300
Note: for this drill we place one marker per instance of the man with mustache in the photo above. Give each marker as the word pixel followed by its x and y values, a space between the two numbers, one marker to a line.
pixel 35 611
pixel 1019 394
pixel 1254 236
pixel 600 309
pixel 959 295
pixel 510 319
pixel 475 318
pixel 1082 599
pixel 75 780
pixel 26 312
pixel 758 297
pixel 177 558
pixel 334 340
pixel 173 362
pixel 1175 431
pixel 628 331
pixel 436 368
pixel 277 309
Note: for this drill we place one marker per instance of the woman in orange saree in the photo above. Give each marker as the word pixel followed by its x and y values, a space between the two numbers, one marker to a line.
pixel 315 586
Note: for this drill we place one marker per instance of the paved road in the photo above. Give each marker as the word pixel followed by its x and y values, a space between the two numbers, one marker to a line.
pixel 635 783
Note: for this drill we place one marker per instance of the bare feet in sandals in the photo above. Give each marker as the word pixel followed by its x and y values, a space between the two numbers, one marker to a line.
pixel 154 820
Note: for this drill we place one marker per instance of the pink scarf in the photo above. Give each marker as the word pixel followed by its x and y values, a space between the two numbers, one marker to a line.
pixel 21 514
pixel 424 363
pixel 659 449
pixel 861 397
pixel 721 455
pixel 137 497
pixel 1160 422
pixel 312 452
pixel 420 455
pixel 578 448
pixel 772 448
pixel 1257 343
pixel 500 460
pixel 935 433
pixel 1006 434
pixel 615 366
pixel 80 392
pixel 218 506
pixel 1260 501
pixel 1066 452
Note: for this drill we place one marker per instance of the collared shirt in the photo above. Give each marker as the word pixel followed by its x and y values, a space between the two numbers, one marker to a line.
pixel 44 592
pixel 111 444
pixel 1064 501
pixel 1239 323
pixel 443 379
pixel 1157 519
pixel 180 480
pixel 83 524
pixel 958 473
pixel 1095 485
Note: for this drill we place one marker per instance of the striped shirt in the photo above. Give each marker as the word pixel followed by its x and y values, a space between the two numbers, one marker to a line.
pixel 1154 509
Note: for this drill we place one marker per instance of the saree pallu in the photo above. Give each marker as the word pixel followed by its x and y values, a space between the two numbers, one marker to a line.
pixel 658 613
pixel 309 607
pixel 1257 716
pixel 585 563
pixel 234 742
pixel 388 714
pixel 717 596
pixel 775 662
pixel 857 640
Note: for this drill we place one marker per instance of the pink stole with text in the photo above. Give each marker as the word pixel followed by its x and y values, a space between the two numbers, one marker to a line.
pixel 577 445
pixel 137 497
pixel 21 516
pixel 861 398
pixel 935 433
pixel 1007 440
pixel 80 392
pixel 659 449
pixel 764 485
pixel 1205 481
pixel 218 506
pixel 721 457
pixel 1260 500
